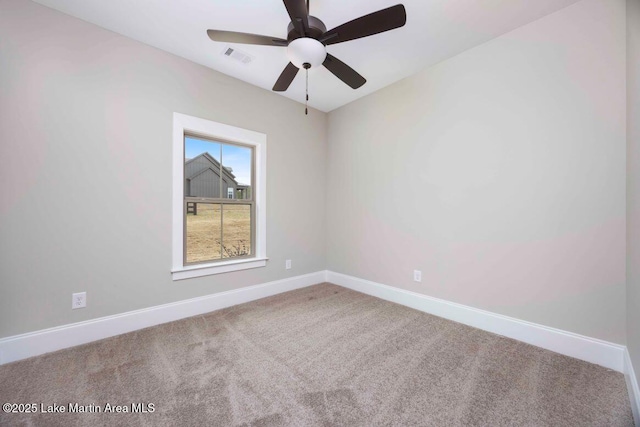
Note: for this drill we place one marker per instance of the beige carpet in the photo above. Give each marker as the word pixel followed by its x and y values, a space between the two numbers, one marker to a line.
pixel 319 356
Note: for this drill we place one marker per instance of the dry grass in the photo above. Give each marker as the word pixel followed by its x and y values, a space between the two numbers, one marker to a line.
pixel 203 232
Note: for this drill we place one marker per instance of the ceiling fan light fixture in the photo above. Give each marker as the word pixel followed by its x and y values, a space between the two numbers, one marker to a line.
pixel 306 50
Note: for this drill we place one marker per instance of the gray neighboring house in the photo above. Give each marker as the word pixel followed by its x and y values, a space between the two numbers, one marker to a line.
pixel 202 179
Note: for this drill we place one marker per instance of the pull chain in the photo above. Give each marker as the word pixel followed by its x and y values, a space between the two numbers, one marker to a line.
pixel 306 102
pixel 306 66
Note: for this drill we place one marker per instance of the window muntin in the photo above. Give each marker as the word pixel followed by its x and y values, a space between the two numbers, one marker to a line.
pixel 219 208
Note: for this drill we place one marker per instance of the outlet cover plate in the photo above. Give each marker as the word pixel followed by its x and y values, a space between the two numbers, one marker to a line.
pixel 79 300
pixel 417 276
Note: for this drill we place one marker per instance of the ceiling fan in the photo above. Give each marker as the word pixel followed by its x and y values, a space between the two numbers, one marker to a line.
pixel 307 39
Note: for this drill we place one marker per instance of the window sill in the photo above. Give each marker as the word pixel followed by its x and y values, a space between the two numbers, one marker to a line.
pixel 217 268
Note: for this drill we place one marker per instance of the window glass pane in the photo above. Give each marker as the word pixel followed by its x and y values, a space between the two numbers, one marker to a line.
pixel 203 226
pixel 236 179
pixel 201 168
pixel 236 230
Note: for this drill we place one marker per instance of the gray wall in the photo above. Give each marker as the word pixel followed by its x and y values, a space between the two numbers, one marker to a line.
pixel 500 173
pixel 633 183
pixel 79 101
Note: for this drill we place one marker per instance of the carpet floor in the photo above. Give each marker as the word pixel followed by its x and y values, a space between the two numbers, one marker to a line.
pixel 318 356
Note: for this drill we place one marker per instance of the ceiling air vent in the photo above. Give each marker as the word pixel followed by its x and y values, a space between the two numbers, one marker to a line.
pixel 237 55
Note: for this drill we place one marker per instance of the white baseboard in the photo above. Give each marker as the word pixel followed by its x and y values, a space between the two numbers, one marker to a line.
pixel 632 387
pixel 47 340
pixel 585 348
pixel 592 350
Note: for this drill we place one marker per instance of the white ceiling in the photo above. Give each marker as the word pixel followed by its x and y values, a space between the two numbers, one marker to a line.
pixel 435 30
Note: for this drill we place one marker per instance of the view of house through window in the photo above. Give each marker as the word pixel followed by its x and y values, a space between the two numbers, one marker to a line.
pixel 218 200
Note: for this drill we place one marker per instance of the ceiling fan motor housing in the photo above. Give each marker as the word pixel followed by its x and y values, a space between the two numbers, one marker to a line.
pixel 316 29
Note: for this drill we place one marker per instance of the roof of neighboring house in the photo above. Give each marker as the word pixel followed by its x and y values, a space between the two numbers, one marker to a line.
pixel 197 174
pixel 216 166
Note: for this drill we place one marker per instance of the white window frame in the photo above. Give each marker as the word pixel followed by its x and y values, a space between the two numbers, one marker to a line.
pixel 182 124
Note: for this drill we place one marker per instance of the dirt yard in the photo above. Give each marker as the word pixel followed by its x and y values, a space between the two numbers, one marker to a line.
pixel 203 232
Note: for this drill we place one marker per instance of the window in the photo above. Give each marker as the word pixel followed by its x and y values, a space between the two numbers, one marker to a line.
pixel 217 227
pixel 219 221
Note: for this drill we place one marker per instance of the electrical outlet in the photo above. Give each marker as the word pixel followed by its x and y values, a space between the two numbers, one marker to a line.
pixel 417 276
pixel 79 300
pixel 287 264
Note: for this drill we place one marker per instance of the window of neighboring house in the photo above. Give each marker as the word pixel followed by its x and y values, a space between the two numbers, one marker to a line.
pixel 219 185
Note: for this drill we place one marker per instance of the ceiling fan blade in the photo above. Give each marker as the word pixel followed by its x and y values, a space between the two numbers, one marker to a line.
pixel 344 72
pixel 285 79
pixel 368 25
pixel 244 38
pixel 297 10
